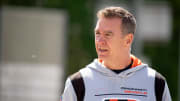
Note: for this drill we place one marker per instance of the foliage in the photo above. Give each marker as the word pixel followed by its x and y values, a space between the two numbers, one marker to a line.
pixel 164 57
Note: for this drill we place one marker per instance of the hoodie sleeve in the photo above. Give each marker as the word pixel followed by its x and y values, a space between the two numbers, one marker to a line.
pixel 166 94
pixel 69 93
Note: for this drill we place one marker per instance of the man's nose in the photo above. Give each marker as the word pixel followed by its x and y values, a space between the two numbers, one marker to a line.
pixel 100 40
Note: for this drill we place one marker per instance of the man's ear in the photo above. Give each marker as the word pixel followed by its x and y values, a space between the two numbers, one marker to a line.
pixel 129 39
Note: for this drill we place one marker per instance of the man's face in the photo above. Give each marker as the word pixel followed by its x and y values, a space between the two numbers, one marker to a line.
pixel 109 39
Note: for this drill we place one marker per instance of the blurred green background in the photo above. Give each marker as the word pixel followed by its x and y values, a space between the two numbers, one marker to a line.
pixel 80 29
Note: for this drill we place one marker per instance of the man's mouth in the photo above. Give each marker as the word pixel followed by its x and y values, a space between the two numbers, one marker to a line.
pixel 102 50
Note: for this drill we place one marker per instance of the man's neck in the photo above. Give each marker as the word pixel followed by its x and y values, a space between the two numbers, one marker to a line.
pixel 117 64
pixel 126 68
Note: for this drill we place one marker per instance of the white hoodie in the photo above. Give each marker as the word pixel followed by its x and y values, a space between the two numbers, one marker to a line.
pixel 102 84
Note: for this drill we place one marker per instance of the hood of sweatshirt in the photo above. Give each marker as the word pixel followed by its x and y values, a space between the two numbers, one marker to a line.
pixel 99 67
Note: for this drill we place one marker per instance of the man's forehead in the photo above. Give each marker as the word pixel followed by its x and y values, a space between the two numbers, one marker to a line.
pixel 108 25
pixel 115 22
pixel 104 31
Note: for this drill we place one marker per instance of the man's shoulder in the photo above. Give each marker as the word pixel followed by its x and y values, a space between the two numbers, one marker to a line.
pixel 160 82
pixel 78 74
pixel 78 85
pixel 158 75
pixel 75 76
pixel 153 73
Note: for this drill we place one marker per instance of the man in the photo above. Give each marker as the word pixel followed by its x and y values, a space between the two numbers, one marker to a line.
pixel 116 75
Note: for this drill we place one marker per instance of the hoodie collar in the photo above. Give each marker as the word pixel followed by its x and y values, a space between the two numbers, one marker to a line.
pixel 136 66
pixel 136 61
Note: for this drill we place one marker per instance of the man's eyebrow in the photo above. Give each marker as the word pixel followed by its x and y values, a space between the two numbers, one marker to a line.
pixel 96 30
pixel 108 32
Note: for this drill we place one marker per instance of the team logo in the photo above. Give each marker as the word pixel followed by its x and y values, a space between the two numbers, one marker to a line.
pixel 135 91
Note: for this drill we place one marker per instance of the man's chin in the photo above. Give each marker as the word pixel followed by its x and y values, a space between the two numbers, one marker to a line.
pixel 102 57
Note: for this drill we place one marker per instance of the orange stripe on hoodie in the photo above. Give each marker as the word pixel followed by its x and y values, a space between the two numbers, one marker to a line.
pixel 113 100
pixel 136 61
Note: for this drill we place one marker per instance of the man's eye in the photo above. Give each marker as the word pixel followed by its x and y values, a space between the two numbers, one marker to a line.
pixel 97 33
pixel 108 34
